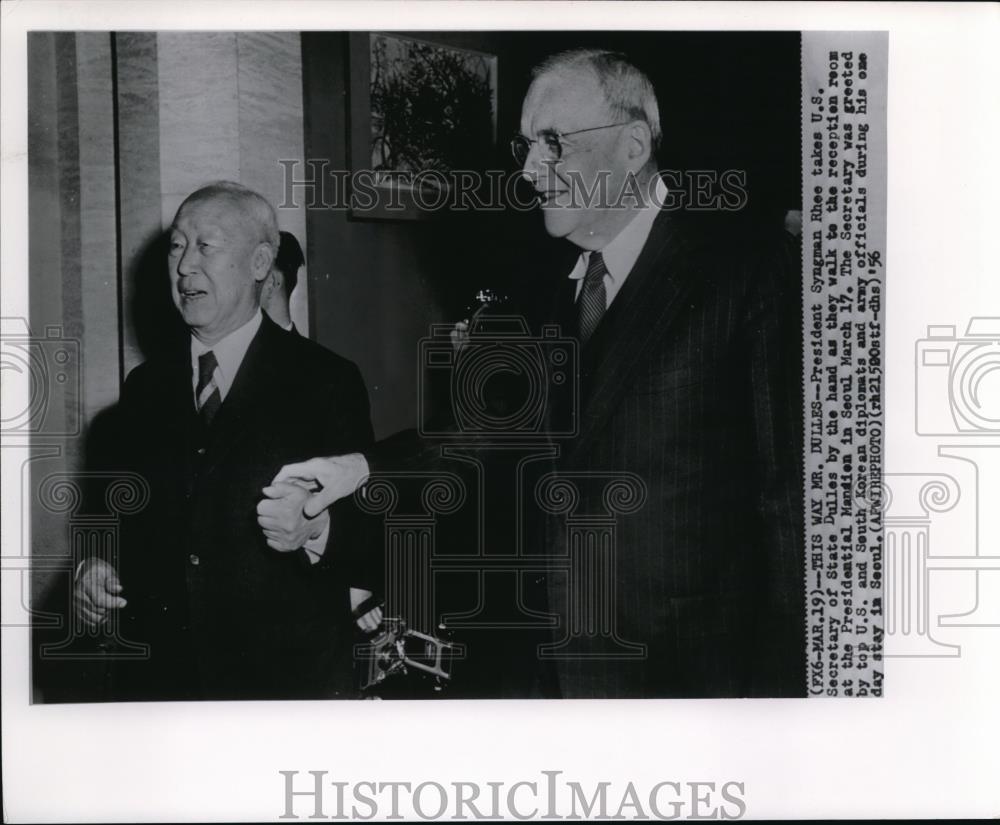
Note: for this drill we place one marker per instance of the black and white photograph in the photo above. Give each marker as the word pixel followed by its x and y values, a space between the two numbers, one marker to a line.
pixel 396 382
pixel 586 482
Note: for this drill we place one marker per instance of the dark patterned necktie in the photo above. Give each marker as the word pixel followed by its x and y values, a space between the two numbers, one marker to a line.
pixel 209 399
pixel 593 297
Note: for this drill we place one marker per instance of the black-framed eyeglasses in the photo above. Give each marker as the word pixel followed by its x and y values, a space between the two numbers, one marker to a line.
pixel 549 142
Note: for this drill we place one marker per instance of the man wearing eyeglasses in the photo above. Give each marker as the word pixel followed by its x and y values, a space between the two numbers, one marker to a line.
pixel 689 388
pixel 690 380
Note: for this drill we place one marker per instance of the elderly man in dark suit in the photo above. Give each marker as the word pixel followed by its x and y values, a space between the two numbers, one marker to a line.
pixel 690 381
pixel 689 393
pixel 230 611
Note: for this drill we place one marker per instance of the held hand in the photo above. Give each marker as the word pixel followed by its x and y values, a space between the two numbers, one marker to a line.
pixel 280 515
pixel 337 476
pixel 96 591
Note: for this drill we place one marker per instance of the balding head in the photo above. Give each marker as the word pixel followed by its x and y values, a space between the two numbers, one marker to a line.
pixel 627 90
pixel 254 207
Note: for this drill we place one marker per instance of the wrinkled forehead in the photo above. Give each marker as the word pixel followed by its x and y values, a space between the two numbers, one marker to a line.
pixel 214 212
pixel 563 102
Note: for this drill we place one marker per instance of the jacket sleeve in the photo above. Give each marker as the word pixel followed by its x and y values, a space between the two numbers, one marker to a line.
pixel 348 430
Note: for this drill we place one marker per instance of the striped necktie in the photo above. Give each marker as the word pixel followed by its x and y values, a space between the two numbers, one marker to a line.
pixel 209 399
pixel 593 297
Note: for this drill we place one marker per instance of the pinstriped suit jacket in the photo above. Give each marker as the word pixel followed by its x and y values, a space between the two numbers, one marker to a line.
pixel 692 382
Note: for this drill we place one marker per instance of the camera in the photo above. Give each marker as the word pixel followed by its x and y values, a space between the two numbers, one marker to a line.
pixel 41 375
pixel 402 661
pixel 958 379
pixel 501 381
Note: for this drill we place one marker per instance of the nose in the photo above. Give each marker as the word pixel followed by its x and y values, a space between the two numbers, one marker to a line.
pixel 187 264
pixel 534 165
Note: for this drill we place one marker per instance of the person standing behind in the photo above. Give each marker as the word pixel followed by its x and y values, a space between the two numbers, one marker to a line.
pixel 276 293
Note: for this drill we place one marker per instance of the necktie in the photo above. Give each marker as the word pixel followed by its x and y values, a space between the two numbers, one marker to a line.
pixel 209 399
pixel 593 296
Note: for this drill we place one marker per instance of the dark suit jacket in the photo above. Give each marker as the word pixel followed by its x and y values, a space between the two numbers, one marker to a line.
pixel 692 384
pixel 225 615
pixel 691 390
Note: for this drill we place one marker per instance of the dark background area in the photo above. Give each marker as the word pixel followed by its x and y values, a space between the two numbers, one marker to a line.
pixel 727 101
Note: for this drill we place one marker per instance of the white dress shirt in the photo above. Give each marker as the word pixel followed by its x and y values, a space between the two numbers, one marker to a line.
pixel 229 353
pixel 623 251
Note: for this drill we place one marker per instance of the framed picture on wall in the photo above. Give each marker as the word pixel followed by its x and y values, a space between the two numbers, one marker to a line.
pixel 421 113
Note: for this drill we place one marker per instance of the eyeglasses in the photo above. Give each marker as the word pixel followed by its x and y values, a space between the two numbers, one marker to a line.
pixel 549 142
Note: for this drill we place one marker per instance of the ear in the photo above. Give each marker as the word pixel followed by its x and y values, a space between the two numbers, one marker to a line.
pixel 638 144
pixel 261 260
pixel 267 287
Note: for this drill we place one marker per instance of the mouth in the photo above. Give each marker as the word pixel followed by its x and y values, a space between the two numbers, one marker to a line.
pixel 192 294
pixel 548 196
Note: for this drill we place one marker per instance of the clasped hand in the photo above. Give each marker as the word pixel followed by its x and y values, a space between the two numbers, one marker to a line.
pixel 281 516
pixel 329 479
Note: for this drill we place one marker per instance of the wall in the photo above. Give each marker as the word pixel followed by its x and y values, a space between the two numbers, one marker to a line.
pixel 73 283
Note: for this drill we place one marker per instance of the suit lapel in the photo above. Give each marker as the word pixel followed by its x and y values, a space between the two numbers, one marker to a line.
pixel 565 313
pixel 177 400
pixel 650 298
pixel 254 384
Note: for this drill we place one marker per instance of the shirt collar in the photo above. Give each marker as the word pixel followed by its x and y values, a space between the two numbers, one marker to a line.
pixel 623 251
pixel 229 352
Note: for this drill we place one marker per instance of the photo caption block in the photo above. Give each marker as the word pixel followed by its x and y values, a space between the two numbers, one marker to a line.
pixel 843 246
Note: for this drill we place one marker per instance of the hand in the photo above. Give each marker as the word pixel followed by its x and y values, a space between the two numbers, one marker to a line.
pixel 337 476
pixel 280 515
pixel 459 335
pixel 95 592
pixel 369 621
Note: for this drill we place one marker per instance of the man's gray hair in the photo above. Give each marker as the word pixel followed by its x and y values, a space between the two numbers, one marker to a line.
pixel 252 204
pixel 629 93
